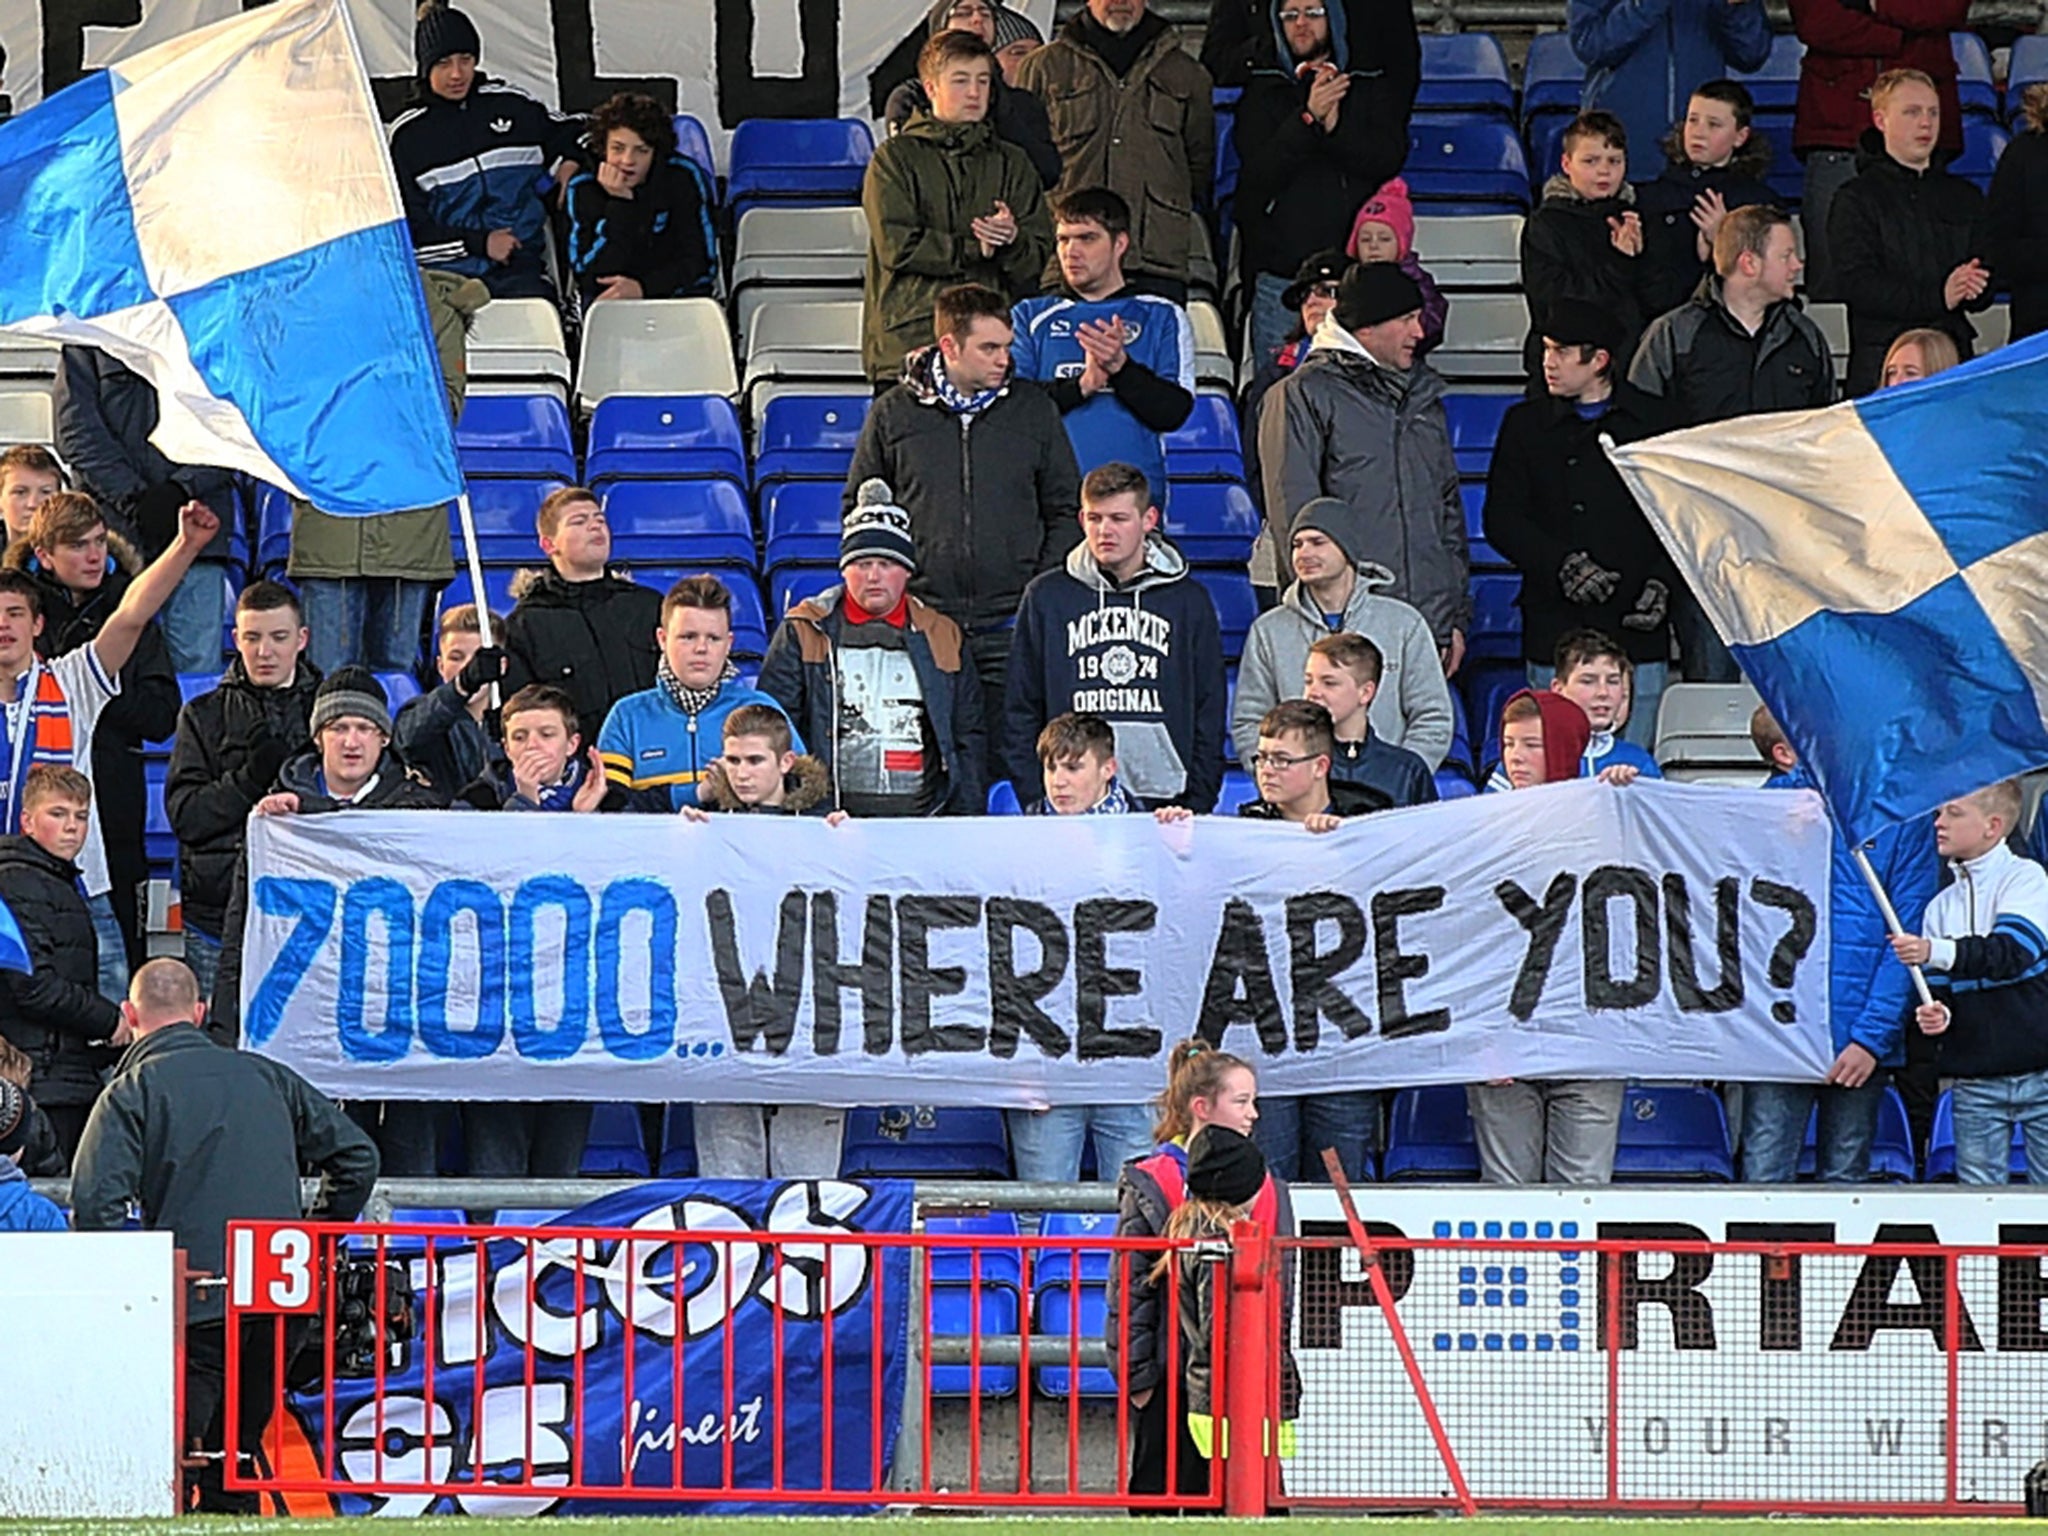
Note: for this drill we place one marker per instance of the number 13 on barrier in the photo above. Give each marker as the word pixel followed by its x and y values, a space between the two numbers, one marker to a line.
pixel 270 1269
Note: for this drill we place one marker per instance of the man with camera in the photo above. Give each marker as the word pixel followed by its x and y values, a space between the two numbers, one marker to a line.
pixel 198 1135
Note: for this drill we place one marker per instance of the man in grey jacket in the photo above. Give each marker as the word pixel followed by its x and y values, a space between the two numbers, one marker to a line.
pixel 1362 421
pixel 1337 590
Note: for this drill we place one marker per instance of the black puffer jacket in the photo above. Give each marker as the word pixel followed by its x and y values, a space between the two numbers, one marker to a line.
pixel 56 1013
pixel 2018 214
pixel 231 744
pixel 1568 252
pixel 993 498
pixel 592 639
pixel 1896 235
pixel 1705 367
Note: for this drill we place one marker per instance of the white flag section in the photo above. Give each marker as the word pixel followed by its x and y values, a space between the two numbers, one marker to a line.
pixel 1579 930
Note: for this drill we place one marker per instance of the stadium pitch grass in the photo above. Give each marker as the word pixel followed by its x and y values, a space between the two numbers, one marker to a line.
pixel 995 1525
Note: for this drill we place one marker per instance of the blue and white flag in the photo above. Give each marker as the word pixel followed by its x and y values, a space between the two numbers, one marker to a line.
pixel 1880 571
pixel 220 214
pixel 13 947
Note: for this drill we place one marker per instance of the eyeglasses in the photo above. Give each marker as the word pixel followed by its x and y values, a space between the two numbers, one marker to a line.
pixel 1280 760
pixel 1323 291
pixel 1313 13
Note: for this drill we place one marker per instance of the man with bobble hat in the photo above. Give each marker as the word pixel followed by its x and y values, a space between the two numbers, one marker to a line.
pixel 878 682
pixel 1362 421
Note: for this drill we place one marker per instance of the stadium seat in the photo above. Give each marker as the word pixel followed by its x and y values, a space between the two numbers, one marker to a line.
pixel 28 359
pixel 1775 86
pixel 407 1245
pixel 1002 799
pixel 923 1142
pixel 273 531
pixel 1891 1152
pixel 951 1283
pixel 1211 523
pixel 615 1147
pixel 1552 75
pixel 654 347
pixel 798 582
pixel 705 521
pixel 516 436
pixel 1208 445
pixel 1474 251
pixel 398 688
pixel 800 519
pixel 1483 337
pixel 693 143
pixel 1238 789
pixel 1496 617
pixel 1429 1137
pixel 1832 321
pixel 2029 66
pixel 1703 732
pixel 1975 88
pixel 1070 1300
pixel 1236 607
pixel 678 1158
pixel 503 512
pixel 498 581
pixel 1672 1133
pixel 794 255
pixel 808 437
pixel 804 344
pixel 665 437
pixel 1993 327
pixel 1464 72
pixel 1475 427
pixel 1489 685
pixel 1470 164
pixel 159 840
pixel 526 1215
pixel 1451 784
pixel 749 622
pixel 1213 367
pixel 1460 754
pixel 1983 143
pixel 26 414
pixel 1941 1146
pixel 516 344
pixel 800 162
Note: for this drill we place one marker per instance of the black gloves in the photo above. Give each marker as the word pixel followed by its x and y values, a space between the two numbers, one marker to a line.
pixel 487 666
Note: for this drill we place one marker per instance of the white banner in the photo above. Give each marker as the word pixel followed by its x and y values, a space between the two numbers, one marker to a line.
pixel 1576 931
pixel 1795 1381
pixel 723 60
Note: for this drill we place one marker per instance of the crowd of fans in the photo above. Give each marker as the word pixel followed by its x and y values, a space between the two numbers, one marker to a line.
pixel 1010 609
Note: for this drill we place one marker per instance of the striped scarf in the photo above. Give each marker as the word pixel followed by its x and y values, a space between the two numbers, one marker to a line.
pixel 48 730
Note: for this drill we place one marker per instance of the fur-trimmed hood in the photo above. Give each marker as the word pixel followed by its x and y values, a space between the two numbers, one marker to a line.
pixel 121 556
pixel 809 788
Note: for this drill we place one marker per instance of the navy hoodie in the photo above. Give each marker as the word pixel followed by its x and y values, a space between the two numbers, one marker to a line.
pixel 1147 656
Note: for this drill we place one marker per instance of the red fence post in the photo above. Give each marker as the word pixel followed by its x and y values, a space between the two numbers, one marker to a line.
pixel 1248 1364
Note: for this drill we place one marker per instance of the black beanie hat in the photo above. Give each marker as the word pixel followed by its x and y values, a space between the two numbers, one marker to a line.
pixel 441 31
pixel 1373 293
pixel 1224 1166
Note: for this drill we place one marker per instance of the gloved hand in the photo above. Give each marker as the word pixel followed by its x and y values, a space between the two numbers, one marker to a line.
pixel 1650 608
pixel 1585 582
pixel 267 754
pixel 156 516
pixel 486 667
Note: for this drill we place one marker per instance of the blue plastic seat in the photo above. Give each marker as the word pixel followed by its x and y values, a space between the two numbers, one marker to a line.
pixel 1429 1137
pixel 273 531
pixel 665 437
pixel 406 1246
pixel 1975 88
pixel 1775 86
pixel 1544 134
pixel 1208 445
pixel 678 1156
pixel 1552 75
pixel 1002 799
pixel 801 520
pixel 1451 784
pixel 1891 1150
pixel 1466 163
pixel 808 437
pixel 690 520
pixel 615 1147
pixel 1941 1146
pixel 1670 1133
pixel 498 581
pixel 749 619
pixel 1236 607
pixel 1070 1296
pixel 1465 72
pixel 1983 143
pixel 527 1215
pixel 798 582
pixel 1489 685
pixel 1238 789
pixel 953 1280
pixel 1211 521
pixel 906 1141
pixel 1460 754
pixel 159 842
pixel 797 162
pixel 504 512
pixel 2029 66
pixel 1475 427
pixel 523 436
pixel 693 143
pixel 1496 619
pixel 398 688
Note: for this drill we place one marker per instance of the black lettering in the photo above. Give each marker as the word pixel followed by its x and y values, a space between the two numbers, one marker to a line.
pixel 1994 1439
pixel 1778 1324
pixel 1096 981
pixel 1604 989
pixel 1596 1431
pixel 1884 1437
pixel 1792 946
pixel 1692 1315
pixel 2022 1286
pixel 1656 1435
pixel 1325 1293
pixel 1544 925
pixel 1714 1436
pixel 873 975
pixel 1313 974
pixel 1240 985
pixel 1394 968
pixel 1685 979
pixel 916 917
pixel 1870 1310
pixel 743 94
pixel 757 1009
pixel 1777 1437
pixel 578 86
pixel 1013 998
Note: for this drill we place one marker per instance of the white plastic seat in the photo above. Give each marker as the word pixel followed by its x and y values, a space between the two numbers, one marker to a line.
pixel 26 415
pixel 801 255
pixel 655 347
pixel 1832 320
pixel 28 357
pixel 808 343
pixel 518 339
pixel 1213 367
pixel 1706 725
pixel 1474 251
pixel 1994 328
pixel 1483 336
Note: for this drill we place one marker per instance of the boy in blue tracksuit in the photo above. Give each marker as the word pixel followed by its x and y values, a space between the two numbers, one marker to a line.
pixel 1594 672
pixel 1984 941
pixel 1119 365
pixel 469 153
pixel 668 736
pixel 1867 997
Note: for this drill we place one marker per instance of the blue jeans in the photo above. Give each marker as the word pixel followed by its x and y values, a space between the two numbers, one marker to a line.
pixel 113 947
pixel 194 616
pixel 1272 321
pixel 1648 681
pixel 365 621
pixel 1774 1117
pixel 1292 1134
pixel 1046 1143
pixel 1986 1110
pixel 202 958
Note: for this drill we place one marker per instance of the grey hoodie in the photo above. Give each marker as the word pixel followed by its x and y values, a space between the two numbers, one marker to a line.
pixel 1413 706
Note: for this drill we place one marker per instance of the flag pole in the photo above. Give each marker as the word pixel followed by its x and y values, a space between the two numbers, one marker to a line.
pixel 476 579
pixel 1891 916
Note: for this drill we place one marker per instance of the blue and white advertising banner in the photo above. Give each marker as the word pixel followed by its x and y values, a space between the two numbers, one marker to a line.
pixel 1577 930
pixel 646 1361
